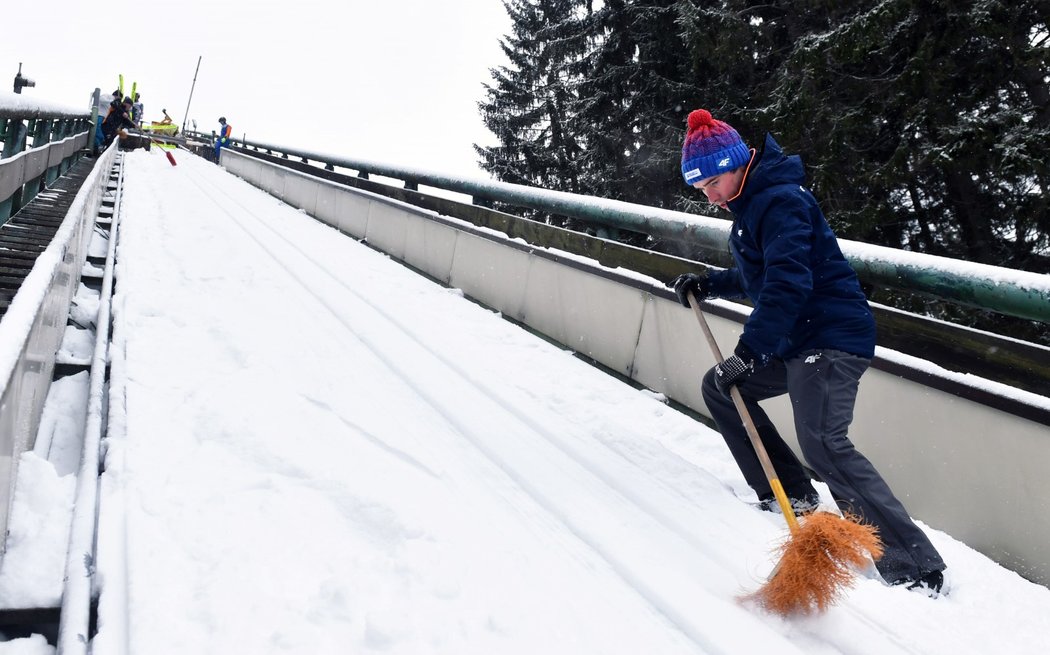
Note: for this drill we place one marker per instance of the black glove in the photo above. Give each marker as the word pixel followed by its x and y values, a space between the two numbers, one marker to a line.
pixel 738 367
pixel 686 282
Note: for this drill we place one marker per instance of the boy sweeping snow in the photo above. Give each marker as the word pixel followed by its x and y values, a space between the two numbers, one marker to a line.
pixel 811 335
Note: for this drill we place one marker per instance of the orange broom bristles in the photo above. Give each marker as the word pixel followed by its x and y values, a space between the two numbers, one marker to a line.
pixel 817 564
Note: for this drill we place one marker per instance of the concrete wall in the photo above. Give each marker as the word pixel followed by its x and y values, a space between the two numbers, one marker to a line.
pixel 961 460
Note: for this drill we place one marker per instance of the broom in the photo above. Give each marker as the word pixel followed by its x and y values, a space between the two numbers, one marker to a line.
pixel 171 157
pixel 818 561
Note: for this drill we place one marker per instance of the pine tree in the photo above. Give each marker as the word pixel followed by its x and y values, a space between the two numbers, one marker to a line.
pixel 527 105
pixel 611 93
pixel 646 58
pixel 923 123
pixel 927 123
pixel 735 49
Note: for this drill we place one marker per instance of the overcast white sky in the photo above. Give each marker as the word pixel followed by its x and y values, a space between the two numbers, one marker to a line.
pixel 391 80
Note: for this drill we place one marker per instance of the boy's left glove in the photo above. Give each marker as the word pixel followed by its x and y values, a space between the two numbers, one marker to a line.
pixel 738 367
pixel 695 283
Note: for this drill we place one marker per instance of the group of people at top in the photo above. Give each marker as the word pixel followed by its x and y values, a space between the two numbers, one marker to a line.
pixel 124 112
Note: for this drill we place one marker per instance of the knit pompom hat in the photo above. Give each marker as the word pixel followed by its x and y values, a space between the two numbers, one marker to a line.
pixel 711 147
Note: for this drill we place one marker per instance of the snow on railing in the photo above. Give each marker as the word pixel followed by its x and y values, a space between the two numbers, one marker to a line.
pixel 15 105
pixel 1007 291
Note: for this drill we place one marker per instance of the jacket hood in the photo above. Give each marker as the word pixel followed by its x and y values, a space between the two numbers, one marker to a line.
pixel 772 167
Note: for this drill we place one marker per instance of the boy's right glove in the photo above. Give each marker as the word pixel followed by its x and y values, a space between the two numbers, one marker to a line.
pixel 695 282
pixel 738 367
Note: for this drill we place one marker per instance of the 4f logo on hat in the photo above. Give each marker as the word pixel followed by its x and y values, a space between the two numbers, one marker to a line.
pixel 722 163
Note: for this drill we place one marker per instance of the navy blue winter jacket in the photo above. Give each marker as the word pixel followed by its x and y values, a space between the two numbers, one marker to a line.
pixel 788 262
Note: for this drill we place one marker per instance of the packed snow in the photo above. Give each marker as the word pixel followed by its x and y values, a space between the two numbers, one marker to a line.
pixel 313 449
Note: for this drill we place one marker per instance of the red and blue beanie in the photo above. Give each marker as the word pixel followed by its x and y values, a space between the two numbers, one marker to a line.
pixel 711 147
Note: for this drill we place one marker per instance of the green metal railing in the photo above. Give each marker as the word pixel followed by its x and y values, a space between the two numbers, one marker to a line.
pixel 30 128
pixel 1006 291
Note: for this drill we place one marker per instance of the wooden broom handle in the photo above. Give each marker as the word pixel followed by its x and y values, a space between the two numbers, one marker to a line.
pixel 749 425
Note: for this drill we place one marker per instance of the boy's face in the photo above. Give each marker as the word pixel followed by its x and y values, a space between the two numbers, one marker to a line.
pixel 721 188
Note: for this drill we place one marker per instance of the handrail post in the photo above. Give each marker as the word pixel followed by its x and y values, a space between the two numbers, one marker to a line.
pixel 14 137
pixel 93 144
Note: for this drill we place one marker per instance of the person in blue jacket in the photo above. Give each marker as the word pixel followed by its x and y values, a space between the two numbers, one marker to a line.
pixel 222 139
pixel 810 335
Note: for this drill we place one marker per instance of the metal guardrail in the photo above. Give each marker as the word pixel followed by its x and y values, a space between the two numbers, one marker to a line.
pixel 74 627
pixel 1006 291
pixel 41 140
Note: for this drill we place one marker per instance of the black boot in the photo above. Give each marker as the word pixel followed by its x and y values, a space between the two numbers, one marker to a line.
pixel 928 583
pixel 801 505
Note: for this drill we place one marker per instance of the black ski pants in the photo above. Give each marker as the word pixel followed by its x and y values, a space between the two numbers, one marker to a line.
pixel 822 386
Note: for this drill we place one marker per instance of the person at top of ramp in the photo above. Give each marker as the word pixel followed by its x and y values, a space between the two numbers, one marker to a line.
pixel 222 139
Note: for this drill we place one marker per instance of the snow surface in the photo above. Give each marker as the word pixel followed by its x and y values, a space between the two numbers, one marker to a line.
pixel 315 450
